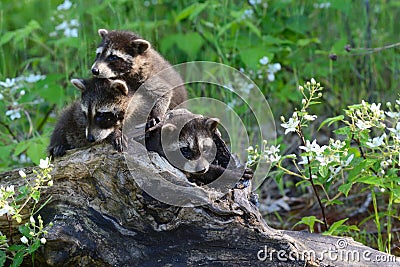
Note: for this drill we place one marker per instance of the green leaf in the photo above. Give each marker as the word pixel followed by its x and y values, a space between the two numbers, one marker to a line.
pixel 342 131
pixel 190 43
pixel 323 171
pixel 36 196
pixel 21 147
pixel 334 226
pixel 16 247
pixel 251 56
pixel 36 151
pixel 304 42
pixel 309 221
pixel 345 188
pixel 192 11
pixel 329 121
pixel 253 28
pixel 372 180
pixel 360 168
pixel 2 258
pixel 25 230
pixel 18 258
pixel 32 248
pixel 6 37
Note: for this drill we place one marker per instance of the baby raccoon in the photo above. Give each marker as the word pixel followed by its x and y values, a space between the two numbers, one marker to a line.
pixel 192 143
pixel 99 115
pixel 124 55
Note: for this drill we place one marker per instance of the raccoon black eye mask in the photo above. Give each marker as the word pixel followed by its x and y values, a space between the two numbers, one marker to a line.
pixel 106 120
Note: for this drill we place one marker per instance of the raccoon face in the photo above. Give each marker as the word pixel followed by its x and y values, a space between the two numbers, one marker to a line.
pixel 118 54
pixel 103 104
pixel 190 148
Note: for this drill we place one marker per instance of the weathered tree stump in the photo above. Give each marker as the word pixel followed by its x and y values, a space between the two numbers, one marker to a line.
pixel 101 217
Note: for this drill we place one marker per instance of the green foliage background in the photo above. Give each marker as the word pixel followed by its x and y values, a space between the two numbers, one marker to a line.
pixel 302 36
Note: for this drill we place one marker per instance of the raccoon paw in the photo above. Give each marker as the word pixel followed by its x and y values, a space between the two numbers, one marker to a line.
pixel 119 142
pixel 58 151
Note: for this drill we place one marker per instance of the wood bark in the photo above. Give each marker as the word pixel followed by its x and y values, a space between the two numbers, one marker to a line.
pixel 102 217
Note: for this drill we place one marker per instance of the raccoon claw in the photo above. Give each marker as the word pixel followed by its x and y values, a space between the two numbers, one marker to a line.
pixel 120 143
pixel 58 151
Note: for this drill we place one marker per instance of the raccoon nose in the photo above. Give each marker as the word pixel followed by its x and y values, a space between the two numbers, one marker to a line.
pixel 90 138
pixel 95 71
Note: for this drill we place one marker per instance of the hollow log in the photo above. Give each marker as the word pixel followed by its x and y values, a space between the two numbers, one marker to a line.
pixel 102 217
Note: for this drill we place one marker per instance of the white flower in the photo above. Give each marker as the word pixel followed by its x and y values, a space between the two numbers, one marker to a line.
pixel 10 188
pixel 65 6
pixel 363 125
pixel 43 240
pixel 50 183
pixel 376 141
pixel 271 76
pixel 396 130
pixel 313 147
pixel 310 117
pixel 248 13
pixel 393 115
pixel 291 125
pixel 304 160
pixel 274 67
pixel 273 150
pixel 313 82
pixel 254 2
pixel 384 164
pixel 13 114
pixel 32 220
pixel 32 78
pixel 44 163
pixel 71 32
pixel 336 144
pixel 24 240
pixel 264 60
pixel 375 108
pixel 7 209
pixel 349 159
pixel 22 173
pixel 323 160
pixel 8 83
pixel 274 158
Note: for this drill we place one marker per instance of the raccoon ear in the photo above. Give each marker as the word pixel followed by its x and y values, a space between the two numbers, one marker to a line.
pixel 102 33
pixel 141 45
pixel 121 86
pixel 212 123
pixel 79 84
